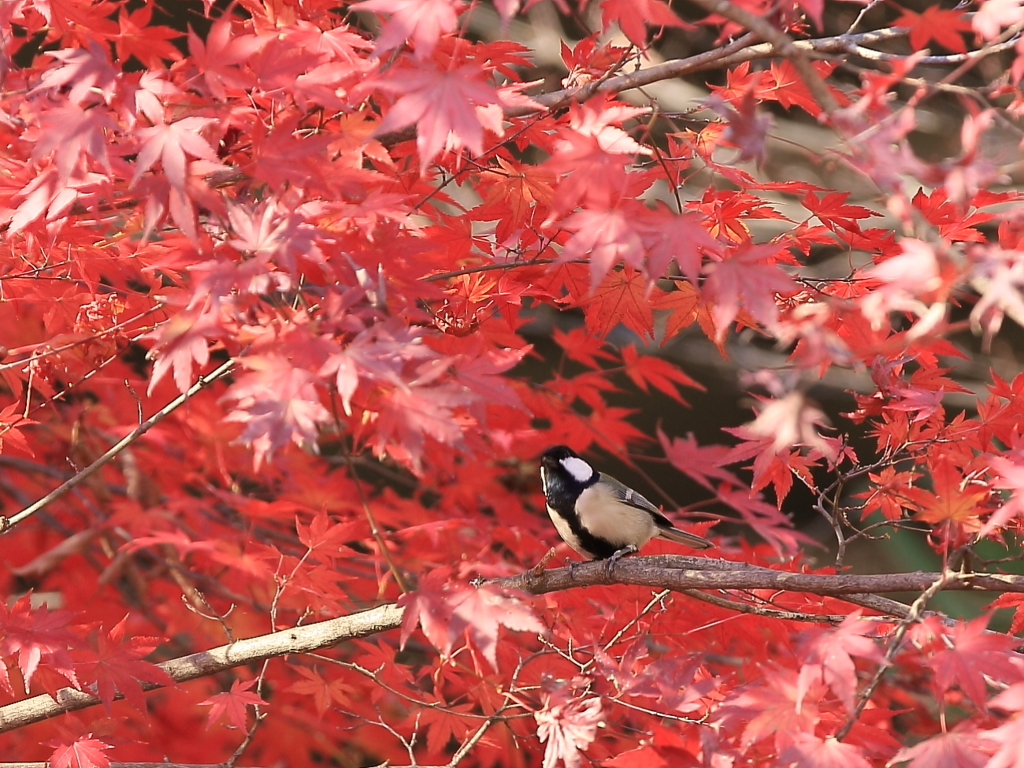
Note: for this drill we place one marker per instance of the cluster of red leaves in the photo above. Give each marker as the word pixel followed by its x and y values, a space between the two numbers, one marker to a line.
pixel 364 223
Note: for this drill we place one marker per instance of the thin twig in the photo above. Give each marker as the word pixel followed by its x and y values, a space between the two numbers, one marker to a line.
pixel 895 643
pixel 6 523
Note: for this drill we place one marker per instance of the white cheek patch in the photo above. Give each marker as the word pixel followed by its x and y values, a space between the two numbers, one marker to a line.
pixel 579 469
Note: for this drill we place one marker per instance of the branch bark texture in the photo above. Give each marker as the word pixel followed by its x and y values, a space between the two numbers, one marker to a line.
pixel 678 573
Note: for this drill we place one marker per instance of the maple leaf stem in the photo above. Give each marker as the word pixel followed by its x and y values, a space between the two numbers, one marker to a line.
pixel 6 523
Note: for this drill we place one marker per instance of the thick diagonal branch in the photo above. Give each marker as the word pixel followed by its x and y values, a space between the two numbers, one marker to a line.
pixel 673 572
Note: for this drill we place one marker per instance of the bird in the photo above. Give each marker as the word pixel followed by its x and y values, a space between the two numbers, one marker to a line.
pixel 596 515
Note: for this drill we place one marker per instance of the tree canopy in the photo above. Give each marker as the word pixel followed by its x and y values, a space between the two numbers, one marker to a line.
pixel 293 293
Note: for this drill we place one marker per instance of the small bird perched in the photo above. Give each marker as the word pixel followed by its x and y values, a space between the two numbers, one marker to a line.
pixel 597 515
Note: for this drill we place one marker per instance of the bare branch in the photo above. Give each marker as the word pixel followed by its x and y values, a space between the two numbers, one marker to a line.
pixel 680 573
pixel 675 572
pixel 312 637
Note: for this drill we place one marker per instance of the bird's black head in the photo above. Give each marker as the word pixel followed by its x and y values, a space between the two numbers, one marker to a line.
pixel 561 466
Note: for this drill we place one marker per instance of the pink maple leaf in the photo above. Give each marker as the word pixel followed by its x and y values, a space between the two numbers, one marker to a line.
pixel 450 107
pixel 219 56
pixel 1008 737
pixel 996 14
pixel 957 749
pixel 277 402
pixel 607 236
pixel 481 611
pixel 749 276
pixel 810 751
pixel 568 724
pixel 86 70
pixel 1010 469
pixel 701 463
pixel 833 651
pixel 170 143
pixel 422 21
pixel 976 654
pixel 85 752
pixel 75 133
pixel 675 237
pixel 180 343
pixel 447 611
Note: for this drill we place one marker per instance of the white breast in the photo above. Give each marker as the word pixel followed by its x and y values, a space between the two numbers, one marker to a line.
pixel 608 518
pixel 565 531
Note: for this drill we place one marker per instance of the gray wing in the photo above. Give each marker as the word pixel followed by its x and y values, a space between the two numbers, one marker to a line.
pixel 627 495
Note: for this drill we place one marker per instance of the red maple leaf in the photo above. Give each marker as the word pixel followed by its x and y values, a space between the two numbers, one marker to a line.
pixel 322 691
pixel 624 296
pixel 952 501
pixel 938 24
pixel 117 666
pixel 593 151
pixel 233 703
pixel 443 722
pixel 148 43
pixel 781 705
pixel 633 17
pixel 650 371
pixel 85 752
pixel 37 636
pixel 12 422
pixel 833 211
pixel 1010 600
pixel 889 494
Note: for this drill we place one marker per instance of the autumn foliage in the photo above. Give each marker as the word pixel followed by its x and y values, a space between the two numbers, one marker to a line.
pixel 293 294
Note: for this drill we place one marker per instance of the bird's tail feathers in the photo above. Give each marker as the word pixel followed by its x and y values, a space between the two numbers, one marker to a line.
pixel 682 537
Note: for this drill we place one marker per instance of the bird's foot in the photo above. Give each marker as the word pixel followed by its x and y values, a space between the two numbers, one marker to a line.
pixel 629 549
